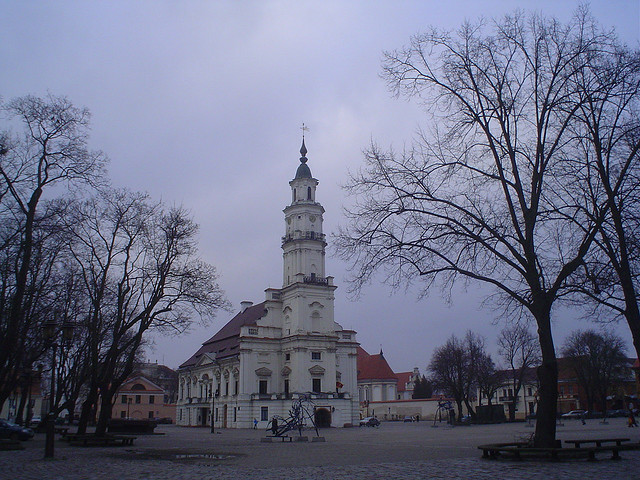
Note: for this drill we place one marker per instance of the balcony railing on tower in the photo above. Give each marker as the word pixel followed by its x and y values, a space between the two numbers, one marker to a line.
pixel 308 235
pixel 316 280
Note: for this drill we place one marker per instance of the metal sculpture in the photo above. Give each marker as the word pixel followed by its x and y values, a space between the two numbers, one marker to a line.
pixel 443 406
pixel 302 410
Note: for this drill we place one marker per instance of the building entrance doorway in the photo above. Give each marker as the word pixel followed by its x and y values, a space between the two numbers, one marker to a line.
pixel 204 415
pixel 322 417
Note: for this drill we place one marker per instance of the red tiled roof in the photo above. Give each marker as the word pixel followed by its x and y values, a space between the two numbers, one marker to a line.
pixel 373 367
pixel 225 342
pixel 403 379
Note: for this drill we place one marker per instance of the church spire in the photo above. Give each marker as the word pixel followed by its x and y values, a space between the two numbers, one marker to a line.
pixel 303 169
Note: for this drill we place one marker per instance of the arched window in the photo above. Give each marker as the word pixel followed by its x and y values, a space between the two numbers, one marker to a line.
pixel 294 195
pixel 138 386
pixel 308 193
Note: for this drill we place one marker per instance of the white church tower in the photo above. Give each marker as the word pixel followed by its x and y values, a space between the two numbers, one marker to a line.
pixel 289 345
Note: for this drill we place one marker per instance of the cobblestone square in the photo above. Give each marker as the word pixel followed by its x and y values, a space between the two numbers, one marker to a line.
pixel 395 450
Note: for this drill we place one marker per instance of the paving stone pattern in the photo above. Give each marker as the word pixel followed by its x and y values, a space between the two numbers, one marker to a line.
pixel 395 450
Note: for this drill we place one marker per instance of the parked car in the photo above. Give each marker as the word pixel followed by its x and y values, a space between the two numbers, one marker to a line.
pixel 15 432
pixel 35 420
pixel 575 414
pixel 370 422
pixel 408 419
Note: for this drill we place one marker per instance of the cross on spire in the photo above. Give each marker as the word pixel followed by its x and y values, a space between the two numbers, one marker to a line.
pixel 304 128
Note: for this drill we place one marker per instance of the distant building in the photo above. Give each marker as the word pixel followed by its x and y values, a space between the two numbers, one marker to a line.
pixel 140 398
pixel 161 375
pixel 286 346
pixel 376 380
pixel 26 400
pixel 406 384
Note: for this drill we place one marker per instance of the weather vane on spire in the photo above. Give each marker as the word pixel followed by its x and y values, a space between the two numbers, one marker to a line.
pixel 304 129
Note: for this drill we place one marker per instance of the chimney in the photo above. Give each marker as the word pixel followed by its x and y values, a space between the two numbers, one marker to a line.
pixel 244 305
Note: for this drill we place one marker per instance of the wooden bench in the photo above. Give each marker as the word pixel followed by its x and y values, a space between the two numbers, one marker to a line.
pixel 597 441
pixel 591 451
pixel 88 440
pixel 519 450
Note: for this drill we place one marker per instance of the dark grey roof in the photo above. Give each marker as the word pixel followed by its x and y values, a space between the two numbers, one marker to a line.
pixel 303 170
pixel 225 342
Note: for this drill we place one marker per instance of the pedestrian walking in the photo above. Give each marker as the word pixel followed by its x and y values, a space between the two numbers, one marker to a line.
pixel 255 423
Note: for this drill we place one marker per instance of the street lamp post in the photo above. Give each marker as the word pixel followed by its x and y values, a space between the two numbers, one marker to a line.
pixel 213 408
pixel 50 333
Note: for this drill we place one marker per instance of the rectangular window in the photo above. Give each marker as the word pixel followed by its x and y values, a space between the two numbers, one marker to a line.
pixel 151 414
pixel 152 399
pixel 226 388
pixel 286 386
pixel 316 385
pixel 123 414
pixel 216 414
pixel 235 414
pixel 529 392
pixel 264 413
pixel 287 356
pixel 316 355
pixel 263 387
pixel 138 398
pixel 253 331
pixel 124 399
pixel 236 388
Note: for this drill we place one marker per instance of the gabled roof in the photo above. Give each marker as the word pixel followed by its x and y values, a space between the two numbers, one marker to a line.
pixel 225 343
pixel 403 379
pixel 149 386
pixel 373 367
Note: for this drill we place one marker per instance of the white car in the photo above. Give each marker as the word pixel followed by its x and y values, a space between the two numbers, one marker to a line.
pixel 574 414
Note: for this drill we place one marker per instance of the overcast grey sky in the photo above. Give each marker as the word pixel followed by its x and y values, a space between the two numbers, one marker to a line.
pixel 200 103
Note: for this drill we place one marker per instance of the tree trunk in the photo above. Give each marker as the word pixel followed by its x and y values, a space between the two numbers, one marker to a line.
pixel 545 434
pixel 106 405
pixel 87 408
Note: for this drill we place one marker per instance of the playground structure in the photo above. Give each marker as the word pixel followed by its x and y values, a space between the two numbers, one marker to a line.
pixel 302 410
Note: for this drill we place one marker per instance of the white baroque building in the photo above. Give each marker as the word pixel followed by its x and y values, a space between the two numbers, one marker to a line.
pixel 270 353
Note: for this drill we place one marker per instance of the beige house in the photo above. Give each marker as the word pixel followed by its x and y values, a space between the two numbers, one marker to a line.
pixel 140 398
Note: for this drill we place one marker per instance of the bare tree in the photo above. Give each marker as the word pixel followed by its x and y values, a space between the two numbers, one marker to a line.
pixel 140 272
pixel 51 150
pixel 609 134
pixel 487 194
pixel 454 368
pixel 489 379
pixel 520 351
pixel 598 360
